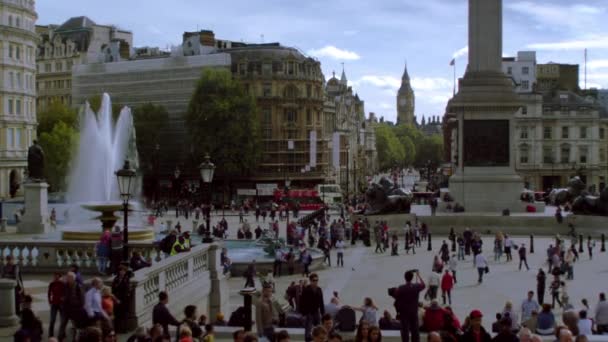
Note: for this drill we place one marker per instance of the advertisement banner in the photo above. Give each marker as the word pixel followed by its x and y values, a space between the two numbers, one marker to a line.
pixel 336 150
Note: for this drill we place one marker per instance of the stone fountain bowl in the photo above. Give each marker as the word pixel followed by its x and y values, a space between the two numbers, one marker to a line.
pixel 85 232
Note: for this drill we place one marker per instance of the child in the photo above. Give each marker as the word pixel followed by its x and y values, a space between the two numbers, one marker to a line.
pixel 209 334
pixel 185 334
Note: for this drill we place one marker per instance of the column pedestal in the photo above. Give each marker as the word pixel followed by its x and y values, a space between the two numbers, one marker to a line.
pixel 36 218
pixel 7 309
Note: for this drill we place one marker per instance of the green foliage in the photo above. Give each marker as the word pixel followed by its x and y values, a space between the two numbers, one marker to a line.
pixel 57 134
pixel 95 103
pixel 149 121
pixel 413 147
pixel 391 152
pixel 223 121
pixel 58 145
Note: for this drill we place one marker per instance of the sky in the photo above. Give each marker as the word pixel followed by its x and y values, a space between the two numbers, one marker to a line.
pixel 373 38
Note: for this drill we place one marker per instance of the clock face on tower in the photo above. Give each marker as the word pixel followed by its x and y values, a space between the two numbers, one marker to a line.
pixel 402 101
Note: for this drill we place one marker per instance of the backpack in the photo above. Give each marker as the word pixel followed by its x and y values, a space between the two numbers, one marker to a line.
pixel 346 320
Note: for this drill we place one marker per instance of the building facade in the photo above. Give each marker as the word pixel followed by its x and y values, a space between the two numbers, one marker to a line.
pixel 522 70
pixel 406 101
pixel 77 41
pixel 556 76
pixel 18 41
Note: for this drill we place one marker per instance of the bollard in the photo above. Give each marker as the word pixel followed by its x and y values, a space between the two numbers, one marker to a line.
pixel 580 243
pixel 603 243
pixel 453 243
pixel 531 244
pixel 430 247
pixel 7 309
pixel 248 303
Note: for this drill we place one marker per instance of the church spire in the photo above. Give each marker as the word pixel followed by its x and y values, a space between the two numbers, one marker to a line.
pixel 343 79
pixel 406 76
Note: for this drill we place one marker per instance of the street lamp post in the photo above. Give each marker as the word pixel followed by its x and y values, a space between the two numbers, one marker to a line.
pixel 126 185
pixel 207 168
pixel 287 184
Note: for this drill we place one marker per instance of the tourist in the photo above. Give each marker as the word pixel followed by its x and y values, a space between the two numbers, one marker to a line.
pixel 496 324
pixel 546 321
pixel 528 306
pixel 107 301
pixel 433 317
pixel 72 304
pixel 238 335
pixel 306 260
pixel 523 257
pixel 121 288
pixel 434 336
pixel 264 313
pixel 437 264
pixel 209 333
pixel 92 302
pixel 116 249
pixel 362 334
pixel 312 305
pixel 506 333
pixel 564 335
pixel 318 333
pixel 138 262
pixel 290 258
pixel 508 311
pixel 590 247
pixel 374 334
pixel 569 264
pixel 541 280
pixel 452 265
pixel 250 274
pixel 282 336
pixel 55 298
pixel 444 252
pixel 554 288
pixel 332 307
pixel 532 322
pixel 508 246
pixel 278 261
pixel 434 282
pixel 406 303
pixel 387 322
pixel 327 322
pixel 498 246
pixel 584 325
pixel 30 329
pixel 161 314
pixel 461 247
pixel 369 310
pixel 476 332
pixel 482 266
pixel 220 320
pixel 340 252
pixel 447 284
pixel 601 315
pixel 185 334
pixel 103 251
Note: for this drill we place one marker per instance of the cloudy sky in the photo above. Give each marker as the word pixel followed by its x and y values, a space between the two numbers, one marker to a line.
pixel 373 38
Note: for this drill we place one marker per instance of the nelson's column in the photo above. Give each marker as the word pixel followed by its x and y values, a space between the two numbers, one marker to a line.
pixel 485 178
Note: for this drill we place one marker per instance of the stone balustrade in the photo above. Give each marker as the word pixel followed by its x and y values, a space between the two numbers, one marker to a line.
pixel 49 256
pixel 193 278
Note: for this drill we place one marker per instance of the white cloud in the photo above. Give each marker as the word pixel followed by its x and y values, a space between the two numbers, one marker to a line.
pixel 335 53
pixel 556 17
pixel 462 52
pixel 381 81
pixel 385 105
pixel 430 83
pixel 592 43
pixel 597 64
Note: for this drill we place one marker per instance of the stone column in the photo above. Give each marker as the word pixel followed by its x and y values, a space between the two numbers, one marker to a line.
pixel 7 298
pixel 36 218
pixel 485 35
pixel 219 296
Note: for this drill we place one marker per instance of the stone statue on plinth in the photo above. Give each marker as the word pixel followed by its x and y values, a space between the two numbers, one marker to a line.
pixel 35 163
pixel 384 197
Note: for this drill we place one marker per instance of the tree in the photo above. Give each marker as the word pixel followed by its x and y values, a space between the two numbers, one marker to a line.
pixel 223 121
pixel 391 152
pixel 149 121
pixel 430 149
pixel 58 145
pixel 57 134
pixel 95 104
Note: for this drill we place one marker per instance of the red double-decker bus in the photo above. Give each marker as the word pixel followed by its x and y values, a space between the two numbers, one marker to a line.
pixel 308 199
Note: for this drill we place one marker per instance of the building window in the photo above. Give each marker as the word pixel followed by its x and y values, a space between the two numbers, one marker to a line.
pixel 547 132
pixel 10 50
pixel 509 70
pixel 291 68
pixel 267 116
pixel 565 131
pixel 11 79
pixel 547 155
pixel 9 138
pixel 18 53
pixel 291 115
pixel 11 109
pixel 18 107
pixel 525 70
pixel 525 85
pixel 17 138
pixel 582 155
pixel 267 89
pixel 308 117
pixel 524 110
pixel 266 69
pixel 58 66
pixel 308 90
pixel 602 155
pixel 602 133
pixel 547 110
pixel 583 132
pixel 523 156
pixel 47 67
pixel 10 20
pixel 565 155
pixel 243 69
pixel 69 65
pixel 291 92
pixel 523 133
pixel 18 22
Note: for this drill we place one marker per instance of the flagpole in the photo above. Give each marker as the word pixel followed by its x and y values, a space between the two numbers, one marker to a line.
pixel 454 68
pixel 585 68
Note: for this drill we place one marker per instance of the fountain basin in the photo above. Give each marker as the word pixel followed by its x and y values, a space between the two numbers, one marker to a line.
pixel 85 232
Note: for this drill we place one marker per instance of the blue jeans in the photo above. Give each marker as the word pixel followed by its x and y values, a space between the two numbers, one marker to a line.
pixel 460 252
pixel 55 309
pixel 312 320
pixel 481 271
pixel 102 263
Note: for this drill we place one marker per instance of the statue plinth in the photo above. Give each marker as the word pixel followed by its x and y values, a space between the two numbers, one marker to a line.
pixel 36 217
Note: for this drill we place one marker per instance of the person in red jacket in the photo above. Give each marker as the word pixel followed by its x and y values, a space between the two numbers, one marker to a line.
pixel 433 317
pixel 447 284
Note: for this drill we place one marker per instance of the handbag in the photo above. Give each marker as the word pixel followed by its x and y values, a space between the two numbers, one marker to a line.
pixel 487 270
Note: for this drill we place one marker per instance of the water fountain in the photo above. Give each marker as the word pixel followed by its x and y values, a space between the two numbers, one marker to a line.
pixel 102 149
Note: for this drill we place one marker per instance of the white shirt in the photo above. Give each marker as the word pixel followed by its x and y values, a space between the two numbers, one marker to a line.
pixel 92 302
pixel 434 279
pixel 340 246
pixel 584 327
pixel 452 264
pixel 480 261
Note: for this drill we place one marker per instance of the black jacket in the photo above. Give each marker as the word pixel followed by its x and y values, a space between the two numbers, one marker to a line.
pixel 311 301
pixel 469 337
pixel 505 337
pixel 162 316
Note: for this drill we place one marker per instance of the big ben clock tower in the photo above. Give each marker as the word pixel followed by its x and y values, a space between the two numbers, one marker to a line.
pixel 405 101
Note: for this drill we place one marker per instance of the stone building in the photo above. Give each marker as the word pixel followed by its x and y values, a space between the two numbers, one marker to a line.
pixel 556 76
pixel 18 42
pixel 405 101
pixel 79 40
pixel 522 70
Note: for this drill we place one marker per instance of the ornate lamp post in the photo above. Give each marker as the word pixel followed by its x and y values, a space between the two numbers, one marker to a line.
pixel 207 168
pixel 126 186
pixel 287 184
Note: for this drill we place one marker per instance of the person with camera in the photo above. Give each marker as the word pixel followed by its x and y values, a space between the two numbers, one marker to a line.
pixel 406 302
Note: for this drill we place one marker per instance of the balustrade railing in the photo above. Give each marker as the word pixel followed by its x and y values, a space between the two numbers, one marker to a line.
pixel 49 256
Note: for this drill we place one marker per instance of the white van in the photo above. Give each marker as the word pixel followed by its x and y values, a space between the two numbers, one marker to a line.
pixel 330 193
